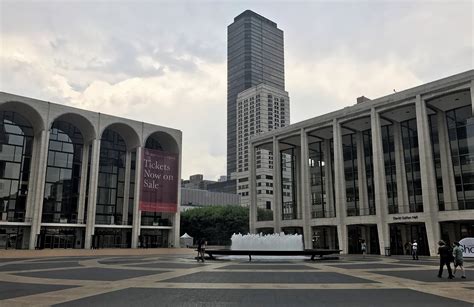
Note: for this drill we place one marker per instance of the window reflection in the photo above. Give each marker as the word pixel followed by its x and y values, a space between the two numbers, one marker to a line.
pixel 61 192
pixel 16 142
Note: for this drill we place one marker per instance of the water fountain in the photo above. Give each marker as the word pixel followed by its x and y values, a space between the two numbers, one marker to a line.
pixel 272 245
pixel 269 242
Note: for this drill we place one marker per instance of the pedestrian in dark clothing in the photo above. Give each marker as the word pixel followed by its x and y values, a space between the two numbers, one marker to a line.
pixel 445 258
pixel 199 250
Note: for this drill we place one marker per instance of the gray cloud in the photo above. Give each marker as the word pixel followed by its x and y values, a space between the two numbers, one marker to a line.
pixel 128 57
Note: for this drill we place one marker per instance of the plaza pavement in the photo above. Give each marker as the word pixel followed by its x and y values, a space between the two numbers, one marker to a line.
pixel 171 277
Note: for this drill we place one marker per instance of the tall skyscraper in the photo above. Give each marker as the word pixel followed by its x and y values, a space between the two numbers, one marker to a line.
pixel 254 56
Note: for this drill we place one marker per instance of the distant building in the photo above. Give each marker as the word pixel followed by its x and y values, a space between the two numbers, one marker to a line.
pixel 192 198
pixel 254 56
pixel 260 109
pixel 196 182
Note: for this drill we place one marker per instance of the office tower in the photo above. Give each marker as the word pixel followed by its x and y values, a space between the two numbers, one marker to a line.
pixel 254 56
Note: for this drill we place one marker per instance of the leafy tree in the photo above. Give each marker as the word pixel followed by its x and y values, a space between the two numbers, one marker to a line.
pixel 216 224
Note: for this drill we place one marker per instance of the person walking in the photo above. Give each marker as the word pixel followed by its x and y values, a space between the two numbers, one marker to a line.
pixel 199 247
pixel 445 256
pixel 458 259
pixel 414 250
pixel 203 249
pixel 363 247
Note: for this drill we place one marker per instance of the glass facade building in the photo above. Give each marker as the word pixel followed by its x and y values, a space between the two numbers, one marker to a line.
pixel 254 56
pixel 70 178
pixel 401 170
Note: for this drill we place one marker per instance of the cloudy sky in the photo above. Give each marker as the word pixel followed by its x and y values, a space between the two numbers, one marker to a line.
pixel 164 62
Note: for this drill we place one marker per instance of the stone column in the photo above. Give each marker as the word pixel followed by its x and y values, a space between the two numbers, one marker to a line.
pixel 428 178
pixel 38 190
pixel 30 199
pixel 92 198
pixel 328 179
pixel 400 174
pixel 83 184
pixel 126 188
pixel 277 200
pixel 252 190
pixel 361 175
pixel 340 187
pixel 136 200
pixel 447 171
pixel 472 96
pixel 380 184
pixel 305 198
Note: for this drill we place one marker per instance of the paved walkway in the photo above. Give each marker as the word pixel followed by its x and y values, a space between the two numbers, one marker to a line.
pixel 171 277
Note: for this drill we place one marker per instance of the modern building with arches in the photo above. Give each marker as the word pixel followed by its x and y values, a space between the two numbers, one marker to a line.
pixel 388 171
pixel 71 178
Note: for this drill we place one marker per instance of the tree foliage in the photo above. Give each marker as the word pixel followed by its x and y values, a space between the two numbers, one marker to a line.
pixel 216 224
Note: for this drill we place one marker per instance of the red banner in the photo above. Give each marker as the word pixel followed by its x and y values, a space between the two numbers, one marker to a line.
pixel 159 190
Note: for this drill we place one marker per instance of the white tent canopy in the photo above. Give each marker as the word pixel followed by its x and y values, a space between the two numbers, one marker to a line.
pixel 186 240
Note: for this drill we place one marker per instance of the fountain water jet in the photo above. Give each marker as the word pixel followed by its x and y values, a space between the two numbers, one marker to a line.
pixel 269 242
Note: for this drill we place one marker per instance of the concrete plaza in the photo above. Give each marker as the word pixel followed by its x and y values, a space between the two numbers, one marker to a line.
pixel 171 277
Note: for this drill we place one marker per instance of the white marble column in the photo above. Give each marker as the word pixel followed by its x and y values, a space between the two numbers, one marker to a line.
pixel 328 179
pixel 136 200
pixel 472 96
pixel 38 190
pixel 380 184
pixel 126 188
pixel 277 199
pixel 30 199
pixel 400 173
pixel 83 184
pixel 340 187
pixel 252 190
pixel 363 202
pixel 304 185
pixel 428 178
pixel 92 198
pixel 447 171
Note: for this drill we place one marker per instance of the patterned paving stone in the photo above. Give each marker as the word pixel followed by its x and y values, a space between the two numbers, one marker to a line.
pixel 268 267
pixel 362 266
pixel 423 275
pixel 167 265
pixel 10 289
pixel 37 266
pixel 90 274
pixel 273 277
pixel 263 298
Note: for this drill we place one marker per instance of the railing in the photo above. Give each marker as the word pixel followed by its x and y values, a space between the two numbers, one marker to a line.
pixel 14 219
pixel 361 211
pixel 156 222
pixel 318 214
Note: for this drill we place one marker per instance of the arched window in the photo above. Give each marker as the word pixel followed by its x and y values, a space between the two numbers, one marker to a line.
pixel 16 145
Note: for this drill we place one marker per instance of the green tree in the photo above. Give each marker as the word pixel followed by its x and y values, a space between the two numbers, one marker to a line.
pixel 216 224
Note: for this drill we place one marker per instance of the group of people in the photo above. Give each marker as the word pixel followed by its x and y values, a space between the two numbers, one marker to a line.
pixel 412 248
pixel 201 249
pixel 448 255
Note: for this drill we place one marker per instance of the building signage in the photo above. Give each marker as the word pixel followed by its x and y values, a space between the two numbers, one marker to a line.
pixel 406 218
pixel 467 245
pixel 159 190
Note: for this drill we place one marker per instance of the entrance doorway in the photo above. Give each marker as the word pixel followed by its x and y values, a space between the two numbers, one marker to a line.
pixel 325 237
pixel 357 233
pixel 401 234
pixel 12 237
pixel 154 238
pixel 52 237
pixel 112 238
